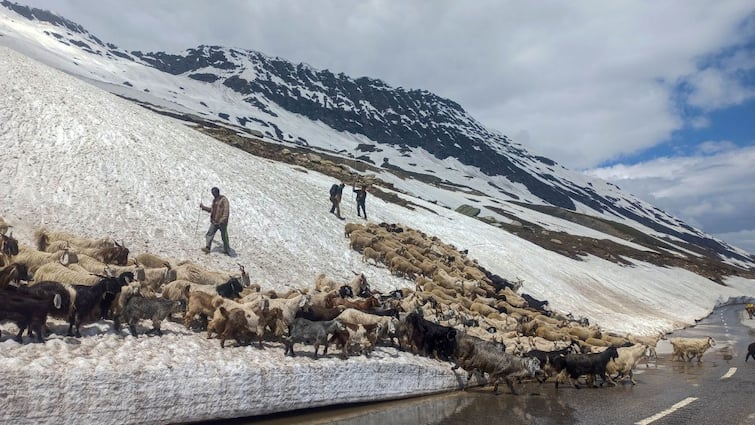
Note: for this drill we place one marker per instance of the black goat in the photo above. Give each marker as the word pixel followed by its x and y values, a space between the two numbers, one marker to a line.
pixel 8 248
pixel 231 289
pixel 535 303
pixel 59 299
pixel 93 302
pixel 390 312
pixel 345 291
pixel 499 283
pixel 25 310
pixel 547 358
pixel 576 365
pixel 468 323
pixel 65 295
pixel 428 338
pixel 13 274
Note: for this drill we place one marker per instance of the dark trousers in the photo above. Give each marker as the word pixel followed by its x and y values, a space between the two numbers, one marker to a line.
pixel 223 234
pixel 360 205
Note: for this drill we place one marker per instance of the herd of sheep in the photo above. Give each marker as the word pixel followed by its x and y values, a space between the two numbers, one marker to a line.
pixel 457 311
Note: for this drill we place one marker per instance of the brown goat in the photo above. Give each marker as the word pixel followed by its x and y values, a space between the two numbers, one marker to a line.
pixel 359 304
pixel 236 327
pixel 200 303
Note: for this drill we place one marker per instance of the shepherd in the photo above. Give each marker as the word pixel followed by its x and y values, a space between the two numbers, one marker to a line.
pixel 335 199
pixel 219 212
pixel 361 198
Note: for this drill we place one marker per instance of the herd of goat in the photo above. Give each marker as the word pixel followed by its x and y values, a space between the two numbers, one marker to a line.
pixel 457 311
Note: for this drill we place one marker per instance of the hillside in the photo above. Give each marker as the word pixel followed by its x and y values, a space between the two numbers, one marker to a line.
pixel 397 134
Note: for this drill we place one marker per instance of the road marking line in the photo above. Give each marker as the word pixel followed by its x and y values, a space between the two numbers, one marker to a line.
pixel 668 411
pixel 728 374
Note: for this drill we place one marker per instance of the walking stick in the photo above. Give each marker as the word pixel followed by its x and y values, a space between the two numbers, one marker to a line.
pixel 196 228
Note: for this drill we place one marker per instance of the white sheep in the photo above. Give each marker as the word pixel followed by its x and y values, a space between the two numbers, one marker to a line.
pixel 57 246
pixel 176 290
pixel 57 272
pixel 151 261
pixel 192 272
pixel 402 266
pixel 45 237
pixel 371 254
pixel 350 227
pixel 34 259
pixel 96 266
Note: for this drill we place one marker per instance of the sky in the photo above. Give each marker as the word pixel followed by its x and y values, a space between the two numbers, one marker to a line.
pixel 646 94
pixel 91 167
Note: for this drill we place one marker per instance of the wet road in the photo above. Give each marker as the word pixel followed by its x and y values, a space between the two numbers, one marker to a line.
pixel 719 390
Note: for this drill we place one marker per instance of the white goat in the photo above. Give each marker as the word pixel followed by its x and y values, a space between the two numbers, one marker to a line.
pixel 687 348
pixel 34 259
pixel 59 273
pixel 627 360
pixel 650 341
pixel 192 272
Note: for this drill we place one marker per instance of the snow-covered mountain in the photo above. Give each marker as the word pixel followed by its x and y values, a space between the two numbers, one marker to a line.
pixel 78 159
pixel 418 142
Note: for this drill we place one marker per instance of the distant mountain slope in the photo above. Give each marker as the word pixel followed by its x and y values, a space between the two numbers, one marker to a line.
pixel 396 130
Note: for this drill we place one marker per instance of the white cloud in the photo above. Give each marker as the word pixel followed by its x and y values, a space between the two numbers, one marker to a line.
pixel 713 192
pixel 713 147
pixel 588 81
pixel 699 122
pixel 714 88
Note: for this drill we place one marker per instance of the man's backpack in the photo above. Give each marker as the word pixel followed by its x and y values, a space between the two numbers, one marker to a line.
pixel 334 190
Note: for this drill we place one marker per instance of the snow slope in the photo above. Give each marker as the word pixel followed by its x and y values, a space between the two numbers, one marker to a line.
pixel 79 159
pixel 66 45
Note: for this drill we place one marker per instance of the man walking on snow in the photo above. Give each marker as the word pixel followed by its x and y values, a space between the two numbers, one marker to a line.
pixel 335 198
pixel 218 220
pixel 361 199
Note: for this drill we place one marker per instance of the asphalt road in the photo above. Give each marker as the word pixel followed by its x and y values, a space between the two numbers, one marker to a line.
pixel 719 390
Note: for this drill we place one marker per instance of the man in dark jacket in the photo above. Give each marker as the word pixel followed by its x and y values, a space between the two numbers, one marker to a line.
pixel 335 198
pixel 218 220
pixel 361 198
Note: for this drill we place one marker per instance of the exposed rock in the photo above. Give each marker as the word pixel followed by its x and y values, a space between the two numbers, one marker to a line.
pixel 468 210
